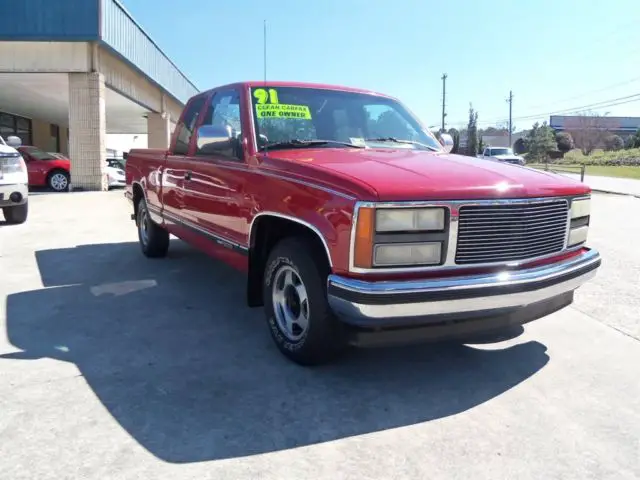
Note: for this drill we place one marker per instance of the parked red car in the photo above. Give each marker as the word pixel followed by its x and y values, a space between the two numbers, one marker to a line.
pixel 354 224
pixel 46 169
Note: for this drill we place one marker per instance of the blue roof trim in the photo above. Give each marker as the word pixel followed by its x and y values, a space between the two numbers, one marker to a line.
pixel 126 37
pixel 48 20
pixel 105 21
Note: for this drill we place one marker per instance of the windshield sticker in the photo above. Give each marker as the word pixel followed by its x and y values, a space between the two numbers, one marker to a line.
pixel 263 96
pixel 281 110
pixel 358 141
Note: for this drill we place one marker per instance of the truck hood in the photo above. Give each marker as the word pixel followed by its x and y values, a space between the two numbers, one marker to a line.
pixel 400 174
pixel 507 157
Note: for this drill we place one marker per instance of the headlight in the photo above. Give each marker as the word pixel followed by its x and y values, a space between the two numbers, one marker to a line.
pixel 579 224
pixel 399 237
pixel 578 236
pixel 12 163
pixel 580 208
pixel 409 219
pixel 407 254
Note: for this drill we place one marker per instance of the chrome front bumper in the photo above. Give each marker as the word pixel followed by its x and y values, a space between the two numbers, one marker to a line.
pixel 421 302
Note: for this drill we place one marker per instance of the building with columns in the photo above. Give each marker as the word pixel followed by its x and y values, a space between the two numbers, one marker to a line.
pixel 74 71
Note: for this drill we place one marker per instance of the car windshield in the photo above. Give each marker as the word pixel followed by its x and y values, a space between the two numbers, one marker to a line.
pixel 38 154
pixel 501 151
pixel 314 118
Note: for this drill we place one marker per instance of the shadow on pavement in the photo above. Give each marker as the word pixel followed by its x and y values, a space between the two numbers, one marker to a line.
pixel 189 371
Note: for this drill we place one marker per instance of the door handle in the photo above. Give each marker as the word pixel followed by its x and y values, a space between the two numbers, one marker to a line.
pixel 187 175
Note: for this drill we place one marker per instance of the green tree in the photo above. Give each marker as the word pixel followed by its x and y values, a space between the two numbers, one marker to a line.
pixel 539 141
pixel 564 141
pixel 519 146
pixel 455 134
pixel 472 132
pixel 634 141
pixel 613 143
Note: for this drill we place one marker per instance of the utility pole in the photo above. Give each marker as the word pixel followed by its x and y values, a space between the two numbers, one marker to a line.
pixel 444 97
pixel 510 100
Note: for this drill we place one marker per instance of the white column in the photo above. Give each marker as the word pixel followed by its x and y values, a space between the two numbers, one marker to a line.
pixel 158 130
pixel 87 131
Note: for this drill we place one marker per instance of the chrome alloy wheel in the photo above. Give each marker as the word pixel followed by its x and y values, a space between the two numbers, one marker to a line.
pixel 290 303
pixel 143 227
pixel 59 182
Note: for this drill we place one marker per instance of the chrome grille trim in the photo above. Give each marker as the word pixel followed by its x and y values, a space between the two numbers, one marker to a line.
pixel 520 232
pixel 454 207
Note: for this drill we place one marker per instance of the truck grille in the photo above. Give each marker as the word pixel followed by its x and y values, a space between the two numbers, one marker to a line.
pixel 510 232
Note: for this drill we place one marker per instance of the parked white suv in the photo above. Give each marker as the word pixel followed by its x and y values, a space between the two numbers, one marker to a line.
pixel 502 154
pixel 14 182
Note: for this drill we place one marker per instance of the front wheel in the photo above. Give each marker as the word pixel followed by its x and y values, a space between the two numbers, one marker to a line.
pixel 154 240
pixel 58 181
pixel 17 213
pixel 300 320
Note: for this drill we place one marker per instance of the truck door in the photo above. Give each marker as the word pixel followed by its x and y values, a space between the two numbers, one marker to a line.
pixel 214 192
pixel 177 167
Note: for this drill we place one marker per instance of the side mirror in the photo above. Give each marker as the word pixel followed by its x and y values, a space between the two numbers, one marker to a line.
pixel 212 139
pixel 14 141
pixel 447 142
pixel 125 155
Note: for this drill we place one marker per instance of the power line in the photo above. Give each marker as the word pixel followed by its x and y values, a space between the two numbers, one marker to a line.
pixel 608 87
pixel 602 104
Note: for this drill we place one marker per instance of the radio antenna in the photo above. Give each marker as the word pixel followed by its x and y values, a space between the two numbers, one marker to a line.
pixel 264 60
pixel 265 53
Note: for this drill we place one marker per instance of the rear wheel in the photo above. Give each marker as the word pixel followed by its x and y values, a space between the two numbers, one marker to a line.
pixel 300 320
pixel 17 213
pixel 154 240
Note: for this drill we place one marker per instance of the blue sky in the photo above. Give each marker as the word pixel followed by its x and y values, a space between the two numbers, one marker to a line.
pixel 554 55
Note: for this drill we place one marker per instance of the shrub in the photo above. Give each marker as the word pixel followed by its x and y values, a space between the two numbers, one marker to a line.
pixel 616 158
pixel 614 143
pixel 565 141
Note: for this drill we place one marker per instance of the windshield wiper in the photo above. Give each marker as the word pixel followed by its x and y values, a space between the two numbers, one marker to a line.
pixel 395 140
pixel 295 143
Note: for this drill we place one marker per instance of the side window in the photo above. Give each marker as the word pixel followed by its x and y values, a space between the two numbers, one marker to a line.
pixel 224 111
pixel 187 125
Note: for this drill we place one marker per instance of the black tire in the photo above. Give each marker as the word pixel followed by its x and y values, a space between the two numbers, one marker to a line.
pixel 54 182
pixel 17 213
pixel 154 240
pixel 324 338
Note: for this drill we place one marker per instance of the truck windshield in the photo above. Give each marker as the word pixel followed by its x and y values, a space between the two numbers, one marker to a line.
pixel 501 151
pixel 285 114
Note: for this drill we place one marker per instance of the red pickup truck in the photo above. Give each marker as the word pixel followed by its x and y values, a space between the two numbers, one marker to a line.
pixel 355 225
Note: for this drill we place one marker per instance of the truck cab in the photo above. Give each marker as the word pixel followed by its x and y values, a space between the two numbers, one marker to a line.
pixel 354 224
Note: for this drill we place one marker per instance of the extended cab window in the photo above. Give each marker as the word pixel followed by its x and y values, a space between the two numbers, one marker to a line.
pixel 185 128
pixel 288 117
pixel 224 111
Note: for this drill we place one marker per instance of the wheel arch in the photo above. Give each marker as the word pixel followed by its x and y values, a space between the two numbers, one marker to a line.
pixel 266 229
pixel 138 193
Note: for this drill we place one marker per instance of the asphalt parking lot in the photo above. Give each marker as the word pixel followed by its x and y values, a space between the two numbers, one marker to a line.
pixel 114 366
